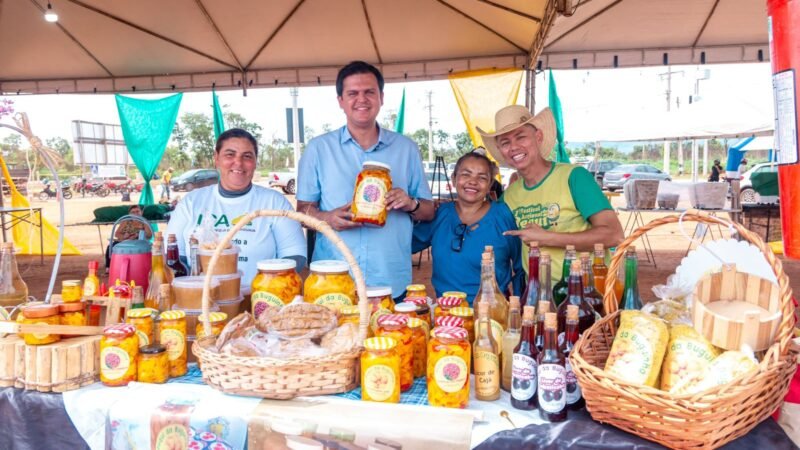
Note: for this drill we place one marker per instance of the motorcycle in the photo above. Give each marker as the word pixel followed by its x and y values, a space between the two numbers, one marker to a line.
pixel 48 193
pixel 92 187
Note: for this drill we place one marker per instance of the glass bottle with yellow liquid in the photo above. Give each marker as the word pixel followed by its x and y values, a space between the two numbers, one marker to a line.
pixel 510 340
pixel 13 290
pixel 158 273
pixel 490 294
pixel 487 358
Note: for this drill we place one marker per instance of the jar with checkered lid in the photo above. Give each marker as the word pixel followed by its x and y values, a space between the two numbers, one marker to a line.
pixel 466 314
pixel 119 348
pixel 449 300
pixel 217 321
pixel 448 368
pixel 380 370
pixel 173 336
pixel 395 326
pixel 422 309
pixel 142 319
pixel 449 321
pixel 419 342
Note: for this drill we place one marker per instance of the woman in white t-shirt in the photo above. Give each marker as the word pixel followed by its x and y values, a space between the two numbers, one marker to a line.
pixel 235 158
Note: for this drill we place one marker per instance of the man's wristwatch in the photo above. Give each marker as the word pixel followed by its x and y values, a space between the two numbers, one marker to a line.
pixel 416 207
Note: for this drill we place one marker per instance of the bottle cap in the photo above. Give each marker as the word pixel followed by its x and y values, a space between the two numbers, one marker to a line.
pixel 449 321
pixel 528 313
pixel 405 307
pixel 376 164
pixel 585 255
pixel 544 307
pixel 449 332
pixel 544 258
pixel 533 244
pixel 276 264
pixel 631 250
pixel 598 247
pixel 572 312
pixel 551 321
pixel 514 301
pixel 570 247
pixel 488 249
pixel 379 291
pixel 93 265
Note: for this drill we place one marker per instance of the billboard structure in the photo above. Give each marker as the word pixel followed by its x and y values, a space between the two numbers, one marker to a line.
pixel 100 148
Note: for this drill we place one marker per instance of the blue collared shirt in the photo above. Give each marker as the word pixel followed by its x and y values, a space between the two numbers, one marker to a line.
pixel 327 174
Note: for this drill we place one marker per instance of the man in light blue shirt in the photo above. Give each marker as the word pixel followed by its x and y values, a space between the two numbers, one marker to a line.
pixel 327 174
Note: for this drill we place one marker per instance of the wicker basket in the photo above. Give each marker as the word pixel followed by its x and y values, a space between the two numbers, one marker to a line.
pixel 704 420
pixel 282 378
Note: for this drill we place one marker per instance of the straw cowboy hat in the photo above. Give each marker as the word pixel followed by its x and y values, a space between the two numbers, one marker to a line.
pixel 512 117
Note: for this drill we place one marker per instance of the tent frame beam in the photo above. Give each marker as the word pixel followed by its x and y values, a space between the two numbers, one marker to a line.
pixel 705 24
pixel 481 24
pixel 371 33
pixel 512 11
pixel 274 33
pixel 213 24
pixel 584 22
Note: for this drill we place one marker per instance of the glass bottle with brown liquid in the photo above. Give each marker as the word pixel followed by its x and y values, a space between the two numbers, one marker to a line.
pixel 487 359
pixel 599 268
pixel 523 365
pixel 531 294
pixel 589 291
pixel 544 308
pixel 574 395
pixel 575 297
pixel 551 375
pixel 174 258
pixel 158 273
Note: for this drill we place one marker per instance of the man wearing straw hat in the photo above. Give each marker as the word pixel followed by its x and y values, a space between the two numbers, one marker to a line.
pixel 553 204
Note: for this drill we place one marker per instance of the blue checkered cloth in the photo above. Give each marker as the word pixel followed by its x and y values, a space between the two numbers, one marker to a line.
pixel 417 395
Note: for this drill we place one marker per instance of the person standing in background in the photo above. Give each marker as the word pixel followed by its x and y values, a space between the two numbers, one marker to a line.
pixel 165 180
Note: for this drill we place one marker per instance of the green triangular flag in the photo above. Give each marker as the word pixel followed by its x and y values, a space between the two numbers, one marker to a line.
pixel 555 106
pixel 219 119
pixel 400 123
pixel 147 126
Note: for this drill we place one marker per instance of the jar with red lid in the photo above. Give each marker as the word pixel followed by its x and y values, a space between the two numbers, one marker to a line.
pixel 119 348
pixel 446 302
pixel 449 321
pixel 449 359
pixel 466 314
pixel 395 326
pixel 423 310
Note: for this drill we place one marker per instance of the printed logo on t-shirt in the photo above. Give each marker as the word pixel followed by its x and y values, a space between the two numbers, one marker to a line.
pixel 544 215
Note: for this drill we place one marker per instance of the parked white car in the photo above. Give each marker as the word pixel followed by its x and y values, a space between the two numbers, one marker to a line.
pixel 287 181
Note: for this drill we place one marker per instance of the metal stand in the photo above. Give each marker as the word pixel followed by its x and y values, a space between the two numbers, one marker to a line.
pixel 439 175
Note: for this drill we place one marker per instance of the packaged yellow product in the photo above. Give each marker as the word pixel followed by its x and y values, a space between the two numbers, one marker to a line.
pixel 638 349
pixel 688 360
pixel 727 367
pixel 672 312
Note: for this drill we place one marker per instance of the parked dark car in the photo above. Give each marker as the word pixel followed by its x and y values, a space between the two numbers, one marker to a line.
pixel 194 179
pixel 599 169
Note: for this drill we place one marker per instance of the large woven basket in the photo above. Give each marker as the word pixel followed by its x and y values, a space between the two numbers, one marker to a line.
pixel 704 420
pixel 282 378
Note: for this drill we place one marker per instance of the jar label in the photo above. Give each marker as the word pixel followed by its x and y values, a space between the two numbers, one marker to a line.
pixel 552 387
pixel 114 362
pixel 450 373
pixel 175 342
pixel 89 289
pixel 573 389
pixel 40 336
pixel 262 299
pixel 171 437
pixel 379 382
pixel 523 377
pixel 373 320
pixel 487 373
pixel 334 300
pixel 144 339
pixel 370 196
pixel 497 333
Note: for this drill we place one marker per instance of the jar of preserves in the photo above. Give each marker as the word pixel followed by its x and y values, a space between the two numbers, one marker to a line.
pixel 406 309
pixel 449 358
pixel 71 291
pixel 119 349
pixel 142 319
pixel 330 284
pixel 380 297
pixel 446 302
pixel 350 314
pixel 419 341
pixel 449 321
pixel 72 314
pixel 276 284
pixel 380 370
pixel 416 290
pixel 216 321
pixel 40 315
pixel 173 336
pixel 395 326
pixel 467 315
pixel 153 364
pixel 369 195
pixel 423 310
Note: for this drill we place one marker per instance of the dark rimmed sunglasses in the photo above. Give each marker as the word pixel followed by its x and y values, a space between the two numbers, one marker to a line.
pixel 458 241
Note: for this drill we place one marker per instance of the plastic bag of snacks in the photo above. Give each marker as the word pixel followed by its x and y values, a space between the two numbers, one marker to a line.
pixel 675 290
pixel 688 360
pixel 670 311
pixel 727 367
pixel 638 348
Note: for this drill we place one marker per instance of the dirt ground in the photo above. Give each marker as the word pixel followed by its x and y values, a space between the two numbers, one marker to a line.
pixel 668 244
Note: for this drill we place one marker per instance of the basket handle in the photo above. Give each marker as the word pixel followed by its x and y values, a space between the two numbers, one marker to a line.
pixel 310 222
pixel 611 303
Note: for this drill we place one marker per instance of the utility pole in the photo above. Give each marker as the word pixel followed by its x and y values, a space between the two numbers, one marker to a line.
pixel 429 107
pixel 668 92
pixel 294 92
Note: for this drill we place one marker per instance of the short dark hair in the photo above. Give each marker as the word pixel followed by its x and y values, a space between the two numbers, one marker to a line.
pixel 353 68
pixel 236 133
pixel 132 207
pixel 477 154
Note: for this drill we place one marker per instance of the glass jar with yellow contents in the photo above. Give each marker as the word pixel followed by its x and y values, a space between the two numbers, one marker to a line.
pixel 466 314
pixel 71 291
pixel 119 349
pixel 419 340
pixel 395 326
pixel 153 364
pixel 276 284
pixel 406 309
pixel 40 315
pixel 330 284
pixel 416 290
pixel 380 370
pixel 215 319
pixel 142 319
pixel 173 336
pixel 72 314
pixel 369 194
pixel 423 310
pixel 449 359
pixel 380 297
pixel 349 314
pixel 449 300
